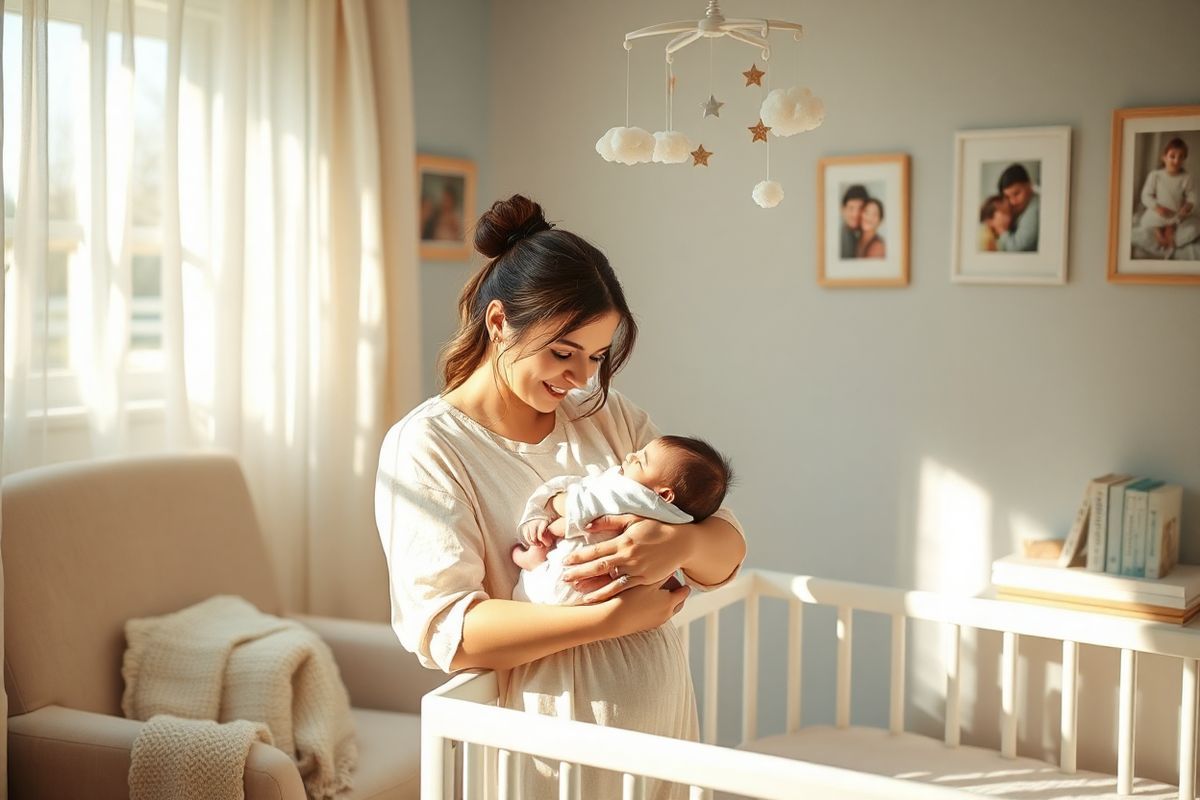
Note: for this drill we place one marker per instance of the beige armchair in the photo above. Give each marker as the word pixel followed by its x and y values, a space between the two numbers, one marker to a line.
pixel 87 546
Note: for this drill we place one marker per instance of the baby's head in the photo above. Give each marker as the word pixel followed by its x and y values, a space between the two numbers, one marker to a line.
pixel 1174 154
pixel 996 212
pixel 686 472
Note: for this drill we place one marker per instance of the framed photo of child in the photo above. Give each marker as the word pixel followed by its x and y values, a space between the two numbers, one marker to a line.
pixel 446 207
pixel 862 220
pixel 1154 219
pixel 1011 201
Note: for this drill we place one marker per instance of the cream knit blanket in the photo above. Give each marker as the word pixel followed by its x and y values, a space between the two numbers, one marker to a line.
pixel 223 659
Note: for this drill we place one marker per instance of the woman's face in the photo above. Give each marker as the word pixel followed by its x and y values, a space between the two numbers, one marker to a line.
pixel 870 218
pixel 540 374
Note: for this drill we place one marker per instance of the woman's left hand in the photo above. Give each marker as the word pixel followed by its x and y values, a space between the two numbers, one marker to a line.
pixel 646 552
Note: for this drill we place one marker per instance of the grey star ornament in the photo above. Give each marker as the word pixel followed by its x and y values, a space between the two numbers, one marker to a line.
pixel 712 107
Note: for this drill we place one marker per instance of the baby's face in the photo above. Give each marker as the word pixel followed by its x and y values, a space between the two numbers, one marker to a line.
pixel 648 466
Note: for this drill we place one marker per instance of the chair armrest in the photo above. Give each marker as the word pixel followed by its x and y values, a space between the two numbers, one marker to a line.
pixel 61 752
pixel 377 671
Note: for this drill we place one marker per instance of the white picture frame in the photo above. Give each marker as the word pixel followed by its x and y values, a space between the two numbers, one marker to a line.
pixel 1033 165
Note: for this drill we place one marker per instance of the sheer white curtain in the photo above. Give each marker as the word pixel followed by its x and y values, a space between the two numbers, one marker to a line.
pixel 232 266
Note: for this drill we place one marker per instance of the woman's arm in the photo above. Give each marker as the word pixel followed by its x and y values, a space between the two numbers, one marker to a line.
pixel 649 552
pixel 502 634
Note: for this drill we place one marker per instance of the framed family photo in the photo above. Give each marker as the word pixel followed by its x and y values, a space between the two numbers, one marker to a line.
pixel 862 220
pixel 446 206
pixel 1011 199
pixel 1154 224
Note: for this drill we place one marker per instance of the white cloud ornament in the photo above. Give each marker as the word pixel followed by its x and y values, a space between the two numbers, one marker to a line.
pixel 767 194
pixel 671 147
pixel 626 145
pixel 791 111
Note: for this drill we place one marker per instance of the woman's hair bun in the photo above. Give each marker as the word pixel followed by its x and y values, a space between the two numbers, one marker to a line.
pixel 506 222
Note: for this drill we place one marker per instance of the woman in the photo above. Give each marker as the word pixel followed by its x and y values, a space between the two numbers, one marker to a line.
pixel 544 316
pixel 870 243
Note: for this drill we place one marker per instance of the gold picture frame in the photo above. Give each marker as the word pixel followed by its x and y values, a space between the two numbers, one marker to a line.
pixel 1135 254
pixel 879 185
pixel 445 207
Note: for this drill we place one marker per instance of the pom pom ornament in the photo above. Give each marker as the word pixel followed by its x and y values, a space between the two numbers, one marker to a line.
pixel 791 111
pixel 671 147
pixel 626 145
pixel 767 194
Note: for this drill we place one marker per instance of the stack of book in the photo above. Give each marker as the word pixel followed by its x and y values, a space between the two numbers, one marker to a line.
pixel 1175 598
pixel 1126 526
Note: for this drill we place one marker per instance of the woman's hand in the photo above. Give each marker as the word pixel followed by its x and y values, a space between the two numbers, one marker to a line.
pixel 646 553
pixel 644 608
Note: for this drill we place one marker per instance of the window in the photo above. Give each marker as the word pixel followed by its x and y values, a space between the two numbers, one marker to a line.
pixel 62 330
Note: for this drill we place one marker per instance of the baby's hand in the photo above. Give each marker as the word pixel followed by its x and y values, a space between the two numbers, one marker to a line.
pixel 1165 212
pixel 534 532
pixel 1187 209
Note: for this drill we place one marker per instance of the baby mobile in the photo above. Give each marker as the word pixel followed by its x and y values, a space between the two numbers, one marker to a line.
pixel 784 112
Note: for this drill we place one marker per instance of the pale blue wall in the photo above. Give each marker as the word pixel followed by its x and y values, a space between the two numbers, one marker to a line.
pixel 451 97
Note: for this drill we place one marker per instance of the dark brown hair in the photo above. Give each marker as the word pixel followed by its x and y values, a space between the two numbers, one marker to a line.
pixel 700 478
pixel 1177 144
pixel 540 274
pixel 990 207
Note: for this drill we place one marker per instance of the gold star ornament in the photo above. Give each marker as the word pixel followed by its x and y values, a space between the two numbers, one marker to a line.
pixel 754 75
pixel 759 131
pixel 700 157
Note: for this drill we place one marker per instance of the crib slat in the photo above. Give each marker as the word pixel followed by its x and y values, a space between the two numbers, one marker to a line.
pixel 633 787
pixel 795 636
pixel 711 627
pixel 952 657
pixel 897 688
pixel 685 638
pixel 506 762
pixel 1008 695
pixel 750 672
pixel 437 766
pixel 568 782
pixel 1125 722
pixel 699 793
pixel 844 635
pixel 473 778
pixel 1187 732
pixel 1068 728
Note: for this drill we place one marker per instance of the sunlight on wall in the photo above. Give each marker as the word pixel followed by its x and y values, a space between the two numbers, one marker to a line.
pixel 953 556
pixel 953 532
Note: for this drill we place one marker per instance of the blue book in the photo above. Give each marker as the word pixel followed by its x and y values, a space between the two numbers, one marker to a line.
pixel 1115 512
pixel 1133 536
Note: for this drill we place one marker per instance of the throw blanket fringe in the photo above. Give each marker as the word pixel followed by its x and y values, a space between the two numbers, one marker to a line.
pixel 223 659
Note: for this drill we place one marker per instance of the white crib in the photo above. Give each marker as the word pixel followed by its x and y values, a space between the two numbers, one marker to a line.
pixel 836 762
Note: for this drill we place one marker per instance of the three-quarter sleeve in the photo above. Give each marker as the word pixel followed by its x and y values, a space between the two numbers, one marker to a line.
pixel 434 549
pixel 1150 190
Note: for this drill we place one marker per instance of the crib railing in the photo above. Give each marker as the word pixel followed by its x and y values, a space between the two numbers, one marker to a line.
pixel 1012 620
pixel 464 714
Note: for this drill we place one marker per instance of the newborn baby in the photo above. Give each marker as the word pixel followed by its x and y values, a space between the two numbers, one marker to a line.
pixel 673 479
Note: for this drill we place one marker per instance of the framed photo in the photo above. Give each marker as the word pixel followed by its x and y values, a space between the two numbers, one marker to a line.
pixel 862 220
pixel 1011 199
pixel 445 206
pixel 1153 219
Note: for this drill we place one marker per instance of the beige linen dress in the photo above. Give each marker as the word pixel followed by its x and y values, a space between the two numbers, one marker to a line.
pixel 448 497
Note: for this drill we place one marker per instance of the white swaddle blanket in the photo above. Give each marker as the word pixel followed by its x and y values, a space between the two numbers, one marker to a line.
pixel 588 497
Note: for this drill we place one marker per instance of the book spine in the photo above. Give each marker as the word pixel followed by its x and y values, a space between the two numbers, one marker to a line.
pixel 1134 535
pixel 1153 540
pixel 1096 528
pixel 1116 529
pixel 1078 528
